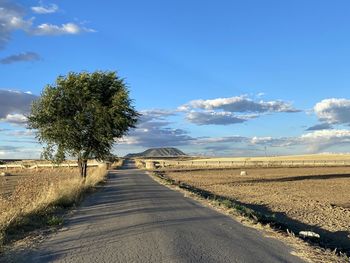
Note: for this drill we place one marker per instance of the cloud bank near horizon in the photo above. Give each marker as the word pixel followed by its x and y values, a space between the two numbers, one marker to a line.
pixel 317 138
pixel 15 105
pixel 156 127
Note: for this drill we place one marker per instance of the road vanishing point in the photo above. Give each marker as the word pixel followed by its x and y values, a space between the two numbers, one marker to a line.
pixel 132 218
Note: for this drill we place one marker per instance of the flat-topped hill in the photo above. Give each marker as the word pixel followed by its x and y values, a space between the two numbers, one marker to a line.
pixel 158 152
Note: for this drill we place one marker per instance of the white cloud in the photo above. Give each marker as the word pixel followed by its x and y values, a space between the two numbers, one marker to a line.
pixel 15 118
pixel 21 133
pixel 55 30
pixel 156 135
pixel 241 145
pixel 13 17
pixel 8 148
pixel 214 118
pixel 324 139
pixel 155 114
pixel 333 111
pixel 278 142
pixel 184 108
pixel 49 9
pixel 20 151
pixel 314 142
pixel 128 140
pixel 14 105
pixel 153 131
pixel 22 57
pixel 241 104
pixel 220 140
pixel 232 110
pixel 326 134
pixel 261 140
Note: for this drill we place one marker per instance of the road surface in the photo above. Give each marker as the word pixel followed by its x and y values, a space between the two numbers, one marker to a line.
pixel 135 219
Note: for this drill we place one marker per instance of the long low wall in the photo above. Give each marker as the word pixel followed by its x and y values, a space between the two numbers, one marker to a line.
pixel 242 164
pixel 37 166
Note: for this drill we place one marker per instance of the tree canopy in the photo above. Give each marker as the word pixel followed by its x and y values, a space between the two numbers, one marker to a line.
pixel 81 115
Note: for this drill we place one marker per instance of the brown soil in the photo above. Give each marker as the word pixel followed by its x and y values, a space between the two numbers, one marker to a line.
pixel 316 199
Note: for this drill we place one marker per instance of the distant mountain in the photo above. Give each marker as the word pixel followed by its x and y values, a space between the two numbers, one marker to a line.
pixel 158 152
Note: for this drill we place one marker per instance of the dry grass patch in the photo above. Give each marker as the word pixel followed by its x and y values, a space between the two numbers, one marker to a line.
pixel 36 197
pixel 8 183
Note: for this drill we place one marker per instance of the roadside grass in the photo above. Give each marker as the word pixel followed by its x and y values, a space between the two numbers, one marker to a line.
pixel 54 220
pixel 307 249
pixel 40 201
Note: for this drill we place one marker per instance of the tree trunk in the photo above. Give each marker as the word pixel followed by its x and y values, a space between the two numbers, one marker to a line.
pixel 84 169
pixel 82 165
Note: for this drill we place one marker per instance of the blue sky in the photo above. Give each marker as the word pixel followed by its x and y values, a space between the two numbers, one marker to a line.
pixel 214 78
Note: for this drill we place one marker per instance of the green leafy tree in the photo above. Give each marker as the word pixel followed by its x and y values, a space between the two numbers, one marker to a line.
pixel 81 115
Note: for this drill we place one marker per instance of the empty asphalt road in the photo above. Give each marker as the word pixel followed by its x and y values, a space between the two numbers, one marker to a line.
pixel 135 219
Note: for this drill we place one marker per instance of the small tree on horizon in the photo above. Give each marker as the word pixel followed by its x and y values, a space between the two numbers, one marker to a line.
pixel 81 115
